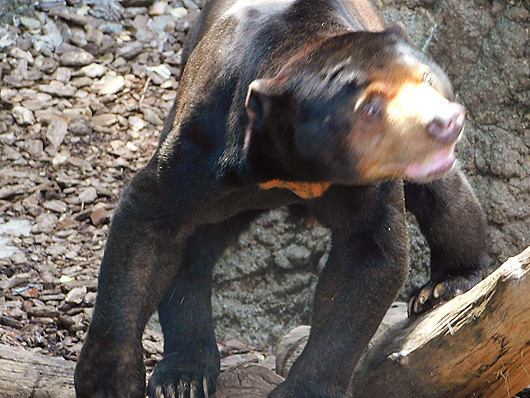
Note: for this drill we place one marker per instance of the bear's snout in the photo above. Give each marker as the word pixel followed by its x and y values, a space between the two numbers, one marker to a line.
pixel 448 126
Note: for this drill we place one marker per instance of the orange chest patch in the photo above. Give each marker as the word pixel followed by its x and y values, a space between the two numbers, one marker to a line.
pixel 306 190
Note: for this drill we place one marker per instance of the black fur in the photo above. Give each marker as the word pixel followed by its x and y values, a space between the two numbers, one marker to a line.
pixel 202 187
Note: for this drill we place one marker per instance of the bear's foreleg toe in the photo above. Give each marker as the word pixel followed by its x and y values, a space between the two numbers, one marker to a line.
pixel 176 378
pixel 440 291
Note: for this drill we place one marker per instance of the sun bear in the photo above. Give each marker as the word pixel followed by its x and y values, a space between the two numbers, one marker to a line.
pixel 310 103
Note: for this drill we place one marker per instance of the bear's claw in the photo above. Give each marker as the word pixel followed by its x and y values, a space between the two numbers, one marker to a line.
pixel 434 293
pixel 172 379
pixel 184 389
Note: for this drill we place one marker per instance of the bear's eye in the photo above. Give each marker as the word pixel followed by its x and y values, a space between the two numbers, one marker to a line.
pixel 371 109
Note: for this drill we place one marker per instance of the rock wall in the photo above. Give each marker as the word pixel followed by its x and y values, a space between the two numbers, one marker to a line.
pixel 265 284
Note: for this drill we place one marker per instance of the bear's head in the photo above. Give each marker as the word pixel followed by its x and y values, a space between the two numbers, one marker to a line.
pixel 358 108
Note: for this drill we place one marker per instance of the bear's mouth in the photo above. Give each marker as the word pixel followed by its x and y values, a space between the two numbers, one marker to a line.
pixel 433 166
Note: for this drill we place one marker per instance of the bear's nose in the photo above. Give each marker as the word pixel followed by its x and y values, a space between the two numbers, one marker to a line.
pixel 447 127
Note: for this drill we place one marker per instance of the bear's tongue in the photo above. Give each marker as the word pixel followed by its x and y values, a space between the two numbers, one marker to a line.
pixel 438 163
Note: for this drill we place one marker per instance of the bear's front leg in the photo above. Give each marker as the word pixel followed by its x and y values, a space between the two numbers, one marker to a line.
pixel 367 267
pixel 191 365
pixel 191 362
pixel 454 225
pixel 140 260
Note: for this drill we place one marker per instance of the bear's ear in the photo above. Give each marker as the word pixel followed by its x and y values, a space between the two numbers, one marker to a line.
pixel 260 96
pixel 400 30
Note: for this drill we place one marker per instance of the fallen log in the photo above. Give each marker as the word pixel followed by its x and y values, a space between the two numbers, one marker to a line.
pixel 26 374
pixel 476 345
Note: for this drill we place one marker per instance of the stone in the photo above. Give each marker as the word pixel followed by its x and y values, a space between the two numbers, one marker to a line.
pixel 98 216
pixel 179 12
pixel 76 295
pixel 88 195
pixel 56 250
pixel 190 5
pixel 45 223
pixel 34 104
pixel 90 299
pixel 63 74
pixel 56 132
pixel 35 148
pixel 104 120
pixel 78 37
pixel 7 41
pixel 113 86
pixel 7 93
pixel 43 311
pixel 11 322
pixel 80 82
pixel 152 347
pixel 152 116
pixel 47 65
pixel 53 37
pixel 290 348
pixel 11 154
pixel 21 54
pixel 30 292
pixel 158 8
pixel 131 147
pixel 136 123
pixel 93 70
pixel 66 320
pixel 47 282
pixel 55 205
pixel 130 50
pixel 240 359
pixel 292 256
pixel 81 163
pixel 30 23
pixel 231 347
pixel 80 126
pixel 76 58
pixel 159 74
pixel 23 116
pixel 9 191
pixel 140 22
pixel 61 157
pixel 58 89
pixel 15 280
pixel 76 18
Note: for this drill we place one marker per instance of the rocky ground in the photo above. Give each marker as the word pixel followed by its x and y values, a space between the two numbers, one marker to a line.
pixel 85 86
pixel 85 89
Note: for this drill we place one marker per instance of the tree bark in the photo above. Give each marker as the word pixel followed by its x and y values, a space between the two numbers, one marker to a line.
pixel 476 345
